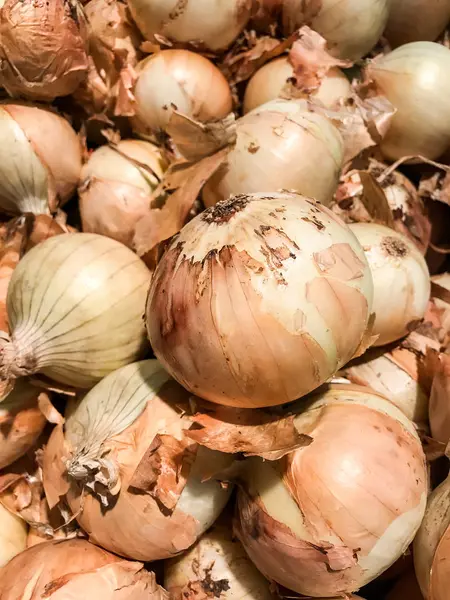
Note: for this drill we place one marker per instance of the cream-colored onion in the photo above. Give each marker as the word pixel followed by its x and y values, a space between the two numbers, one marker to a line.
pixel 131 477
pixel 259 300
pixel 40 159
pixel 13 536
pixel 76 569
pixel 212 24
pixel 414 78
pixel 416 20
pixel 116 187
pixel 337 512
pixel 75 304
pixel 179 80
pixel 280 145
pixel 400 277
pixel 269 81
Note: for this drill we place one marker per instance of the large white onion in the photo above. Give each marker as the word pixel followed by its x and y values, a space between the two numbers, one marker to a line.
pixel 13 535
pixel 280 145
pixel 400 277
pixel 75 304
pixel 131 477
pixel 416 20
pixel 414 78
pixel 259 300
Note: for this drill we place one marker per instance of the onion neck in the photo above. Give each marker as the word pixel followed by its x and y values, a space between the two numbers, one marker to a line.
pixel 17 358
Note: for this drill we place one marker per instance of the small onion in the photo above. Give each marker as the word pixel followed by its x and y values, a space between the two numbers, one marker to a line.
pixel 130 476
pixel 179 80
pixel 280 146
pixel 212 24
pixel 412 77
pixel 269 81
pixel 400 277
pixel 76 569
pixel 116 187
pixel 75 305
pixel 259 300
pixel 43 48
pixel 40 159
pixel 13 536
pixel 416 20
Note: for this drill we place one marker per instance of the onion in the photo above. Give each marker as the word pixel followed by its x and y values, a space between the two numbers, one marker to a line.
pixel 75 305
pixel 279 146
pixel 179 80
pixel 400 277
pixel 269 82
pixel 116 188
pixel 42 171
pixel 13 536
pixel 411 77
pixel 76 569
pixel 43 48
pixel 443 280
pixel 251 303
pixel 416 20
pixel 130 476
pixel 212 24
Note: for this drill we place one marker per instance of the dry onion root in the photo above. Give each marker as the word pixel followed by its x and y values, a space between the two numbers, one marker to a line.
pixel 13 536
pixel 416 20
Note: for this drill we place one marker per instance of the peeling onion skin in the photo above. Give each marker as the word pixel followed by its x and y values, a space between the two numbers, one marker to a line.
pixel 253 278
pixel 406 22
pixel 279 146
pixel 116 188
pixel 409 77
pixel 43 171
pixel 332 516
pixel 75 305
pixel 13 535
pixel 180 80
pixel 210 24
pixel 400 277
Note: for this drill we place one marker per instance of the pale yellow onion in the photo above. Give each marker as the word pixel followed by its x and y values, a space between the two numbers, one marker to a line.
pixel 400 277
pixel 335 514
pixel 259 300
pixel 94 465
pixel 13 536
pixel 40 159
pixel 75 304
pixel 179 80
pixel 416 20
pixel 414 78
pixel 76 569
pixel 116 187
pixel 280 145
pixel 212 24
pixel 268 83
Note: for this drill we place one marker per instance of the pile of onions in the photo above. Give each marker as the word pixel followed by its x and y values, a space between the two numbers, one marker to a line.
pixel 43 48
pixel 178 80
pixel 13 536
pixel 76 569
pixel 130 475
pixel 259 300
pixel 116 187
pixel 416 20
pixel 75 304
pixel 270 81
pixel 40 159
pixel 411 78
pixel 400 278
pixel 280 145
pixel 211 24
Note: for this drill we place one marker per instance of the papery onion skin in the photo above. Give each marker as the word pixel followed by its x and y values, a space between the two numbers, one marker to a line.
pixel 13 536
pixel 243 308
pixel 413 78
pixel 400 277
pixel 279 146
pixel 116 187
pixel 43 48
pixel 179 80
pixel 43 171
pixel 210 24
pixel 75 305
pixel 333 515
pixel 416 20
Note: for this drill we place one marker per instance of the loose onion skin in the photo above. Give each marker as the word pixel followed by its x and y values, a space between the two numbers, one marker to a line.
pixel 179 80
pixel 13 536
pixel 416 20
pixel 247 304
pixel 75 305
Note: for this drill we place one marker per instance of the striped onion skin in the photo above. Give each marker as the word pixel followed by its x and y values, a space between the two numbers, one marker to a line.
pixel 75 306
